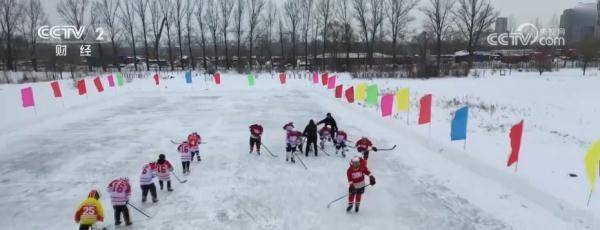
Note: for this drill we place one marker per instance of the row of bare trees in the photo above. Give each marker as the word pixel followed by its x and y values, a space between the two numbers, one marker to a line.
pixel 178 30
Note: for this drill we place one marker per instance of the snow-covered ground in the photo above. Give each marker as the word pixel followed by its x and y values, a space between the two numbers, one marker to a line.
pixel 52 159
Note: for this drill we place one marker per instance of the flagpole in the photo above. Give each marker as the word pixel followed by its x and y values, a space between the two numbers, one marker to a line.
pixel 35 111
pixel 589 198
pixel 516 166
pixel 408 116
pixel 430 129
pixel 465 145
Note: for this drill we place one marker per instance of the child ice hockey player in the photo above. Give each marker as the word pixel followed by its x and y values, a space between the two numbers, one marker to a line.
pixel 324 135
pixel 120 191
pixel 364 145
pixel 194 141
pixel 356 179
pixel 256 131
pixel 147 181
pixel 340 142
pixel 164 172
pixel 186 156
pixel 89 211
pixel 292 141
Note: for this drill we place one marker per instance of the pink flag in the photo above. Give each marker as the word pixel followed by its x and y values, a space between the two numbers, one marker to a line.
pixel 56 89
pixel 324 78
pixel 156 79
pixel 387 103
pixel 516 132
pixel 339 91
pixel 111 81
pixel 331 82
pixel 217 77
pixel 282 78
pixel 27 97
pixel 315 77
pixel 425 109
pixel 350 94
pixel 98 84
pixel 81 87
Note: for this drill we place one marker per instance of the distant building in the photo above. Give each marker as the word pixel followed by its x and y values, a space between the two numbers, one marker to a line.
pixel 501 25
pixel 579 22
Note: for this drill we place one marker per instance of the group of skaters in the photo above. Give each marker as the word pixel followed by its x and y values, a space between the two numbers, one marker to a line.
pixel 90 210
pixel 327 133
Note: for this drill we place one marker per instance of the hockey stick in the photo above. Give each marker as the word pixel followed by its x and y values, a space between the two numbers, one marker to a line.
pixel 300 160
pixel 269 151
pixel 174 142
pixel 323 150
pixel 388 149
pixel 140 211
pixel 344 196
pixel 180 181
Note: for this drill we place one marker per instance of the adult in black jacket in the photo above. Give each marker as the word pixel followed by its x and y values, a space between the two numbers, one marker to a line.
pixel 310 132
pixel 329 121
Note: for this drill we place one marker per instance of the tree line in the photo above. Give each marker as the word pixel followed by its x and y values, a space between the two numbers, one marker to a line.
pixel 249 34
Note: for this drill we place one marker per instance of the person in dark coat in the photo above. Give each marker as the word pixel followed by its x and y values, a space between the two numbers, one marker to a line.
pixel 329 121
pixel 310 132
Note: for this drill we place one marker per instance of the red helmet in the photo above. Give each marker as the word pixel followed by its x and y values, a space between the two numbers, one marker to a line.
pixel 94 194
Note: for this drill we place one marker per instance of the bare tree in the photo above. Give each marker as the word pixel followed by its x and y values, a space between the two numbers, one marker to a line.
pixel 157 22
pixel 254 11
pixel 73 12
pixel 226 7
pixel 397 12
pixel 473 17
pixel 437 14
pixel 178 17
pixel 281 30
pixel 325 9
pixel 127 18
pixel 189 13
pixel 344 16
pixel 293 13
pixel 269 20
pixel 10 19
pixel 167 11
pixel 369 14
pixel 35 16
pixel 96 22
pixel 200 19
pixel 212 16
pixel 108 11
pixel 141 7
pixel 306 10
pixel 238 17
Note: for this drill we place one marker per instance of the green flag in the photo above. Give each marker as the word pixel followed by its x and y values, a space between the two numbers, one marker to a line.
pixel 119 79
pixel 372 94
pixel 250 79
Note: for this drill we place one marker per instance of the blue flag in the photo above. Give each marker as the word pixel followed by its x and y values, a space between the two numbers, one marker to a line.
pixel 188 77
pixel 459 124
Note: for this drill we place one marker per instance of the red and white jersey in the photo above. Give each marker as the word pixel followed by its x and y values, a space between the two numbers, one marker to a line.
pixel 363 145
pixel 164 170
pixel 288 126
pixel 256 131
pixel 194 141
pixel 293 138
pixel 341 137
pixel 184 149
pixel 325 131
pixel 356 176
pixel 148 173
pixel 119 190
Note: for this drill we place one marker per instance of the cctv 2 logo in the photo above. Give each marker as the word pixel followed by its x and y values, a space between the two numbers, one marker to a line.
pixel 65 33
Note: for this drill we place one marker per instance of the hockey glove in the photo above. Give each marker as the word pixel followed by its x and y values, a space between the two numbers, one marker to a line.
pixel 374 149
pixel 372 180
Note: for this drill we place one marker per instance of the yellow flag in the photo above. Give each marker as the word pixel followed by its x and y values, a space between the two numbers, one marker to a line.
pixel 361 92
pixel 591 163
pixel 403 100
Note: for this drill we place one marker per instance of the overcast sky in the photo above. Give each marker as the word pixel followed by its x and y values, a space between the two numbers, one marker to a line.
pixel 522 10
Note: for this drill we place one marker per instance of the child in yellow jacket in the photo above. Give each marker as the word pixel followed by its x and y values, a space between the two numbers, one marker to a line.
pixel 89 211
